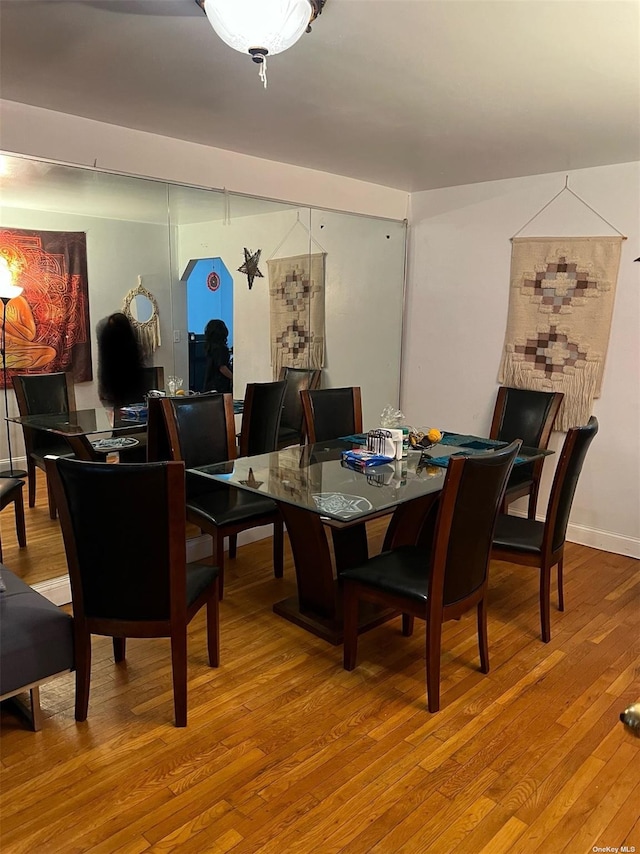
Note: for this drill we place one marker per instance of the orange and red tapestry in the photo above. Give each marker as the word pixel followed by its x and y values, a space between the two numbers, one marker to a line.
pixel 47 326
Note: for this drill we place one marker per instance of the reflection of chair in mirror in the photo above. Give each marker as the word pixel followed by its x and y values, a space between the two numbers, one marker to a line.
pixel 43 394
pixel 445 580
pixel 200 431
pixel 124 533
pixel 261 415
pixel 330 413
pixel 153 378
pixel 527 415
pixel 541 544
pixel 11 493
pixel 292 422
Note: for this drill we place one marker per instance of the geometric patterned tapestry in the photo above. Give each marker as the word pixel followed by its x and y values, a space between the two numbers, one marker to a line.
pixel 561 298
pixel 296 292
pixel 47 326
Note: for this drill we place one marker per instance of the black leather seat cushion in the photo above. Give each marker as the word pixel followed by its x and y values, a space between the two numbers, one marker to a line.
pixel 58 448
pixel 228 505
pixel 199 577
pixel 9 486
pixel 36 637
pixel 518 535
pixel 288 434
pixel 404 571
pixel 520 476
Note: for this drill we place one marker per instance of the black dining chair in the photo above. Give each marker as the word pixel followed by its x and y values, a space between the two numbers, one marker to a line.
pixel 124 533
pixel 292 422
pixel 528 415
pixel 439 582
pixel 11 493
pixel 330 413
pixel 261 415
pixel 541 544
pixel 43 394
pixel 200 431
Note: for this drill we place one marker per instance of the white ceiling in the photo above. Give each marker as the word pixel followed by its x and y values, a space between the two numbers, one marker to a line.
pixel 413 94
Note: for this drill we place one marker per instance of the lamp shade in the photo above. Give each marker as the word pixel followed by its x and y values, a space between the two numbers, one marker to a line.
pixel 266 26
pixel 7 289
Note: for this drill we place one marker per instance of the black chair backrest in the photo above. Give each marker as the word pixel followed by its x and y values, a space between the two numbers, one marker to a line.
pixel 524 414
pixel 200 428
pixel 43 394
pixel 124 533
pixel 565 480
pixel 336 412
pixel 469 504
pixel 261 417
pixel 296 380
pixel 153 378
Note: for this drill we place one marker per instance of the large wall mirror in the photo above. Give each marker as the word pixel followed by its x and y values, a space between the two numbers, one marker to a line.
pixel 185 247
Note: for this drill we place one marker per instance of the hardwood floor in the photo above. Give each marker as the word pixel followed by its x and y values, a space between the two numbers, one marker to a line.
pixel 287 752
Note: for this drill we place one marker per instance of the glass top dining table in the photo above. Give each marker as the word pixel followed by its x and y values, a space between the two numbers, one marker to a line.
pixel 319 498
pixel 83 422
pixel 315 478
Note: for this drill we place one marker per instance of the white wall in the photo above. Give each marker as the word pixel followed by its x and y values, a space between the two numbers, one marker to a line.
pixel 117 252
pixel 363 294
pixel 71 139
pixel 456 316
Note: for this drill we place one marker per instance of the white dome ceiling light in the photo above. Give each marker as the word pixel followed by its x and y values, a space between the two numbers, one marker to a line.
pixel 261 28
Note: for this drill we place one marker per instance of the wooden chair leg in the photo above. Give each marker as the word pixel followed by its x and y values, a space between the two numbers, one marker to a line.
pixel 218 558
pixel 407 625
pixel 533 500
pixel 434 640
pixel 213 628
pixel 483 641
pixel 560 585
pixel 119 649
pixel 31 481
pixel 20 525
pixel 1 558
pixel 36 711
pixel 233 545
pixel 179 668
pixel 83 675
pixel 278 548
pixel 53 513
pixel 350 625
pixel 545 602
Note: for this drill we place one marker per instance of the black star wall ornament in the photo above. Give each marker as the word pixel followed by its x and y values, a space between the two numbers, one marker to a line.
pixel 250 266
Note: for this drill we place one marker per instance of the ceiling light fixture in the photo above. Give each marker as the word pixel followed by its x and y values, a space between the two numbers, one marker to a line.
pixel 261 28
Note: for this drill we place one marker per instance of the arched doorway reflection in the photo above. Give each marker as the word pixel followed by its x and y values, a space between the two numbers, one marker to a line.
pixel 209 296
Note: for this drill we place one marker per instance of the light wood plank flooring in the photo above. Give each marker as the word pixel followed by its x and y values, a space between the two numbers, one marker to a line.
pixel 286 752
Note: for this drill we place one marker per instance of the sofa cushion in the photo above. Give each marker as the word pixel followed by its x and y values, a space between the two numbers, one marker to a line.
pixel 36 637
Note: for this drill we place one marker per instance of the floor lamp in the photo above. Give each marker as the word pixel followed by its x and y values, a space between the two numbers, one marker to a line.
pixel 7 292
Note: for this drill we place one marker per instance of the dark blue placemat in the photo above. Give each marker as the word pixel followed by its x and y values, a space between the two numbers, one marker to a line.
pixel 444 461
pixel 466 440
pixel 355 438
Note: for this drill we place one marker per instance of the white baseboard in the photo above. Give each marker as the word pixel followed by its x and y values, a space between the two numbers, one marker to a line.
pixel 596 539
pixel 58 590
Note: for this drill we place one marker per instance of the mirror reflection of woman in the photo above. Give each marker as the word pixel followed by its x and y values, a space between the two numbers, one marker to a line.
pixel 219 376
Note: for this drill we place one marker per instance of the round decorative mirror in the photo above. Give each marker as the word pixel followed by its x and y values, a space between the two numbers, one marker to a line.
pixel 141 307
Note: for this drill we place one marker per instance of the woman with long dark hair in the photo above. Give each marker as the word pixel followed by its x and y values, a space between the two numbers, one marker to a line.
pixel 219 376
pixel 120 363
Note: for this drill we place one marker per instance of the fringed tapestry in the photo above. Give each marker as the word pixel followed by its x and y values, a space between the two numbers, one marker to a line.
pixel 296 291
pixel 47 326
pixel 560 307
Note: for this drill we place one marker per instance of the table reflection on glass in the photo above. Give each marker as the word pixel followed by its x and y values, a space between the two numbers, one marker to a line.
pixel 77 426
pixel 317 493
